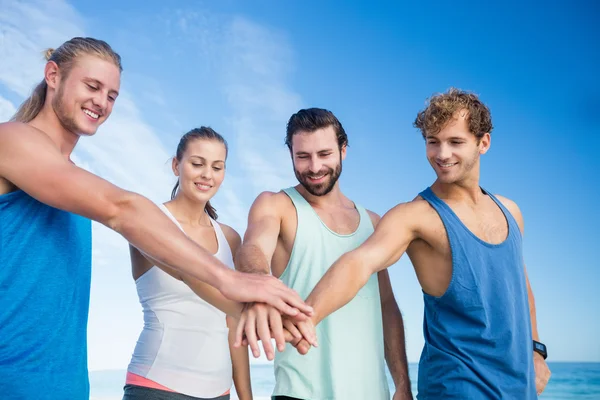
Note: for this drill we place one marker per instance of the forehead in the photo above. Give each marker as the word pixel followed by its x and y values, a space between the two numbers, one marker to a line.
pixel 99 69
pixel 315 141
pixel 209 149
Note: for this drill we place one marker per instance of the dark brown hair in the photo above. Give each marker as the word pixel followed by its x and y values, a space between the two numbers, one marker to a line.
pixel 442 108
pixel 311 119
pixel 198 133
pixel 64 57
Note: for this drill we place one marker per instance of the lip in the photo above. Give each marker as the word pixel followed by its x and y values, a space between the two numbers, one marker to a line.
pixel 203 187
pixel 445 167
pixel 320 180
pixel 89 117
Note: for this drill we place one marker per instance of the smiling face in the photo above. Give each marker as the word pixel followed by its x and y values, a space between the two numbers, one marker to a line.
pixel 84 98
pixel 454 151
pixel 317 160
pixel 201 169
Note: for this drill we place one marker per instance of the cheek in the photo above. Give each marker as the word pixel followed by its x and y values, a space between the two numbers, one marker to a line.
pixel 218 178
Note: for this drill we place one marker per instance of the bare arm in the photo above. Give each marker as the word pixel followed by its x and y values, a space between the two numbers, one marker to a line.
pixel 260 239
pixel 241 364
pixel 240 360
pixel 32 162
pixel 260 321
pixel 542 372
pixel 393 336
pixel 350 272
pixel 516 213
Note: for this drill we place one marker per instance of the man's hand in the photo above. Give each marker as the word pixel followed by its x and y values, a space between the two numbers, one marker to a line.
pixel 263 322
pixel 542 372
pixel 244 288
pixel 301 330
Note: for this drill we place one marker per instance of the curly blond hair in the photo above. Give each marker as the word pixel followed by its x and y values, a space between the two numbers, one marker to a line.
pixel 442 108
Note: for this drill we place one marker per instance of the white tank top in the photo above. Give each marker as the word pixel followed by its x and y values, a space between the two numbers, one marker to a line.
pixel 184 344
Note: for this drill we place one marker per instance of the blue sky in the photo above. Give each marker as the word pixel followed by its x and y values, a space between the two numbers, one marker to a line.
pixel 245 67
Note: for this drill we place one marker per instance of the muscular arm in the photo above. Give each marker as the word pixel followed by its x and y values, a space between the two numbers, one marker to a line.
pixel 516 213
pixel 32 162
pixel 542 372
pixel 350 272
pixel 260 239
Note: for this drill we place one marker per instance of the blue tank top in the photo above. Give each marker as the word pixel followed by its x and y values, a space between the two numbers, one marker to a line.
pixel 478 342
pixel 45 271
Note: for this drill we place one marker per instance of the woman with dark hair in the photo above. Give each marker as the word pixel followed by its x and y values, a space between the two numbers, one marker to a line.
pixel 185 350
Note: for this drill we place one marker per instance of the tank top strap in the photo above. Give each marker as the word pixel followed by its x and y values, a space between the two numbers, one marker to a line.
pixel 224 252
pixel 450 220
pixel 165 210
pixel 513 226
pixel 366 224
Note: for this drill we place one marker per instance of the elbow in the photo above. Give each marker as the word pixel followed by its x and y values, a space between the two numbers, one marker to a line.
pixel 118 214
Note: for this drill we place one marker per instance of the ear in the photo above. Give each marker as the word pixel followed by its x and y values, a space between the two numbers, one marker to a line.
pixel 343 152
pixel 485 143
pixel 175 166
pixel 52 74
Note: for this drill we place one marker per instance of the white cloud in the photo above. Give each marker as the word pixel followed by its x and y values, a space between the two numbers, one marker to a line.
pixel 7 109
pixel 27 29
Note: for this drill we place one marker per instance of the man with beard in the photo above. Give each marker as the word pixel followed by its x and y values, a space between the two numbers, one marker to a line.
pixel 465 244
pixel 296 234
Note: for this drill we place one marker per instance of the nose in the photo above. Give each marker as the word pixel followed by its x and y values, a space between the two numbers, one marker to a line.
pixel 206 172
pixel 444 152
pixel 315 165
pixel 100 100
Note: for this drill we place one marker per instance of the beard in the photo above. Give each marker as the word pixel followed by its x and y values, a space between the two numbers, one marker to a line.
pixel 60 109
pixel 320 189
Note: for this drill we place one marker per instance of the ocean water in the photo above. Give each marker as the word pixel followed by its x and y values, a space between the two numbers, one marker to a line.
pixel 568 381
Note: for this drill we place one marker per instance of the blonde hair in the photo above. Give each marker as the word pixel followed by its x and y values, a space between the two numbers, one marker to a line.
pixel 64 57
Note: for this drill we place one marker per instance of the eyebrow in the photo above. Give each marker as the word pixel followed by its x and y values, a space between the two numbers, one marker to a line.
pixel 300 153
pixel 97 82
pixel 204 159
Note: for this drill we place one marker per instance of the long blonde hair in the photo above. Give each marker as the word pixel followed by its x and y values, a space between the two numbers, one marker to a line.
pixel 64 57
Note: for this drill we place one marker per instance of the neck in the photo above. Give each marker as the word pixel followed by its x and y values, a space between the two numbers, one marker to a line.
pixel 190 212
pixel 47 122
pixel 467 190
pixel 335 198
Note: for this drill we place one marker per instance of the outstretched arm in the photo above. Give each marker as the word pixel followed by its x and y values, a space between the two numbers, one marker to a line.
pixel 32 162
pixel 396 230
pixel 261 321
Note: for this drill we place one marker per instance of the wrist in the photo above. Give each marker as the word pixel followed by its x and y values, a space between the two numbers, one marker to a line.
pixel 223 278
pixel 540 349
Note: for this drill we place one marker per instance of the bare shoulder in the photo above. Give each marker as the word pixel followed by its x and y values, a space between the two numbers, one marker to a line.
pixel 17 134
pixel 233 238
pixel 269 199
pixel 513 208
pixel 375 218
pixel 414 211
pixel 17 142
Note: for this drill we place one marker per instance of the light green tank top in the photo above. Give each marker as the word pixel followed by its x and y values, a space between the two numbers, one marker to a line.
pixel 349 363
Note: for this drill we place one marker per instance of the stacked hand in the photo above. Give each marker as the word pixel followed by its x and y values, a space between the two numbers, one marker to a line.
pixel 262 322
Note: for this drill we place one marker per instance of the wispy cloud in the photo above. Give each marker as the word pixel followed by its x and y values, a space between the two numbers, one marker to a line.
pixel 7 109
